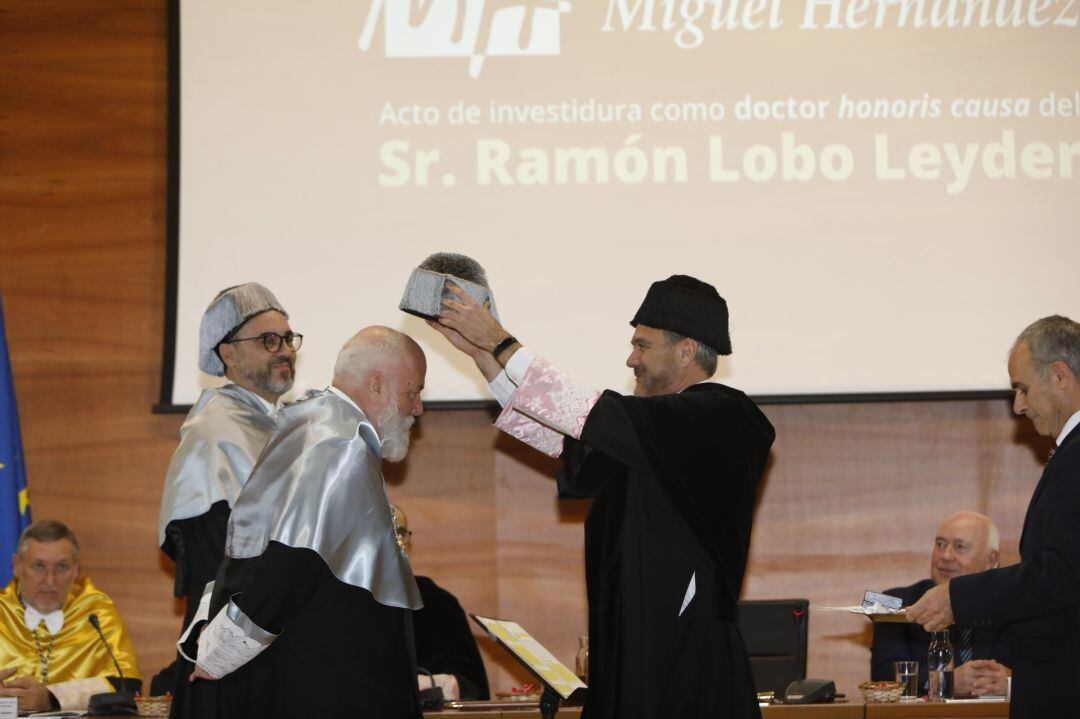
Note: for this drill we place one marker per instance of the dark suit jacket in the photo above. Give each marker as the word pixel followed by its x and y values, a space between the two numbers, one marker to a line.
pixel 444 644
pixel 894 642
pixel 1039 598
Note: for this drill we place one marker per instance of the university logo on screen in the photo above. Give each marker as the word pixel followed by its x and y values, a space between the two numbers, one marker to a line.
pixel 473 29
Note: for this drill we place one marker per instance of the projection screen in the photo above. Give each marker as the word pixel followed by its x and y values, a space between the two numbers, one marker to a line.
pixel 885 191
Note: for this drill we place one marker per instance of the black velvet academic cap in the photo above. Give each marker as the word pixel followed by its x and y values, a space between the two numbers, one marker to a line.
pixel 689 307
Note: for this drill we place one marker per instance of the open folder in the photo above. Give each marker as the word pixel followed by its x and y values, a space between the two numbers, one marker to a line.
pixel 532 655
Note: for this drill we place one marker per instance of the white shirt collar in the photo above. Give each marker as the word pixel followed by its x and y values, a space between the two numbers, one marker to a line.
pixel 347 398
pixel 270 409
pixel 365 420
pixel 54 621
pixel 1070 425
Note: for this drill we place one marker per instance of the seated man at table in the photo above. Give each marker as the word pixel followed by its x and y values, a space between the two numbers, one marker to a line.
pixel 966 543
pixel 445 646
pixel 51 656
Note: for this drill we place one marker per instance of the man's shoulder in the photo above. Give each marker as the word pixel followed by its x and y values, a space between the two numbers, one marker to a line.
pixel 322 417
pixel 429 590
pixel 1069 451
pixel 727 404
pixel 229 403
pixel 912 592
pixel 436 599
pixel 711 395
pixel 85 592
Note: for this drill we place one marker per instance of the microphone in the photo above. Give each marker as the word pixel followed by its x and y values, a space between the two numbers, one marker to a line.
pixel 97 625
pixel 111 703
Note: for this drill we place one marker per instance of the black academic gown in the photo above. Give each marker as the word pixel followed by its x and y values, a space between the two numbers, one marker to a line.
pixel 197 546
pixel 1039 598
pixel 340 653
pixel 444 643
pixel 674 480
pixel 901 641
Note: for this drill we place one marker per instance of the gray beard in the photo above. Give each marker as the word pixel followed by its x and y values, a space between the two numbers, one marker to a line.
pixel 262 378
pixel 394 431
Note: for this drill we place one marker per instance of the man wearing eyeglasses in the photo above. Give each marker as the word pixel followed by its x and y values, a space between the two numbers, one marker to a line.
pixel 245 337
pixel 51 656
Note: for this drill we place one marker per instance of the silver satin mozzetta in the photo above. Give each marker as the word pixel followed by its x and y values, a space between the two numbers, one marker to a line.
pixel 219 443
pixel 319 485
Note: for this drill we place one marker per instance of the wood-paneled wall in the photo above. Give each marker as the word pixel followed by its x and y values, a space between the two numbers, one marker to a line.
pixel 851 501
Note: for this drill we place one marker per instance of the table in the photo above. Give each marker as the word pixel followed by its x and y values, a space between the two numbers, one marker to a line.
pixel 926 710
pixel 914 710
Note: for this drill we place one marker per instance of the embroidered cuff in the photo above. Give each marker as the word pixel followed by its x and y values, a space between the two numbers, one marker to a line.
pixel 546 406
pixel 75 695
pixel 230 641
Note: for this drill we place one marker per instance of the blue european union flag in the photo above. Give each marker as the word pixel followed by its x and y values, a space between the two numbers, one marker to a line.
pixel 14 498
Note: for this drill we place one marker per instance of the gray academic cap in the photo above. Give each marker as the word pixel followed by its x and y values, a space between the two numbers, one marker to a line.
pixel 428 284
pixel 232 307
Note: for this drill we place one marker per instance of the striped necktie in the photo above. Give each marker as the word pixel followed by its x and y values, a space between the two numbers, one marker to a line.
pixel 965 648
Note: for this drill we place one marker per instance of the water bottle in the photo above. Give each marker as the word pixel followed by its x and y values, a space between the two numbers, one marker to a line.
pixel 939 663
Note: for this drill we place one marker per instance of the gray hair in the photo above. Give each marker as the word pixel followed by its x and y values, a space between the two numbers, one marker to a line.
pixel 1051 339
pixel 374 349
pixel 706 356
pixel 47 531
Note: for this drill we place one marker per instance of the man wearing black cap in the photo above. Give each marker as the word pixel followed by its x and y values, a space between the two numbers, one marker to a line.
pixel 673 471
pixel 245 337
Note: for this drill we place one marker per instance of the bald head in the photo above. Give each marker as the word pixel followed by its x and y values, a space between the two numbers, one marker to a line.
pixel 966 543
pixel 383 370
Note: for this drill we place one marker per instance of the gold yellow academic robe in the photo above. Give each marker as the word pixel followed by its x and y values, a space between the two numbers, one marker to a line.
pixel 78 663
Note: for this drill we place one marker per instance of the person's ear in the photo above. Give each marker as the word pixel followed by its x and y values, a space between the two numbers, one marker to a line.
pixel 227 353
pixel 373 383
pixel 1059 374
pixel 992 559
pixel 688 351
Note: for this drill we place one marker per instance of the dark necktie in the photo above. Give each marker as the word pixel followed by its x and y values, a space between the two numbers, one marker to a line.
pixel 965 649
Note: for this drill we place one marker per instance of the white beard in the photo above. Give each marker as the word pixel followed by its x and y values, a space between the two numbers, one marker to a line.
pixel 394 431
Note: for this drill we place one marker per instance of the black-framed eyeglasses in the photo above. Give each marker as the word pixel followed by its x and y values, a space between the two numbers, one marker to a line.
pixel 272 341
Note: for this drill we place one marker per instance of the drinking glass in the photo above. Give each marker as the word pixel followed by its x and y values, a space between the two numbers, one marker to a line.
pixel 907 673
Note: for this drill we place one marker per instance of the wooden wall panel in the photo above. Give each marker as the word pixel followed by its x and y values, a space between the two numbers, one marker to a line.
pixel 851 501
pixel 82 188
pixel 855 494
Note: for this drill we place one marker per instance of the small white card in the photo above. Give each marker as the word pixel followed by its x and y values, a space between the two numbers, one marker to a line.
pixel 9 708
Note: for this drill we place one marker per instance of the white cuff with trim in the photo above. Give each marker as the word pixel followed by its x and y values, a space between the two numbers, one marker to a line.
pixel 74 695
pixel 517 365
pixel 502 389
pixel 230 641
pixel 202 614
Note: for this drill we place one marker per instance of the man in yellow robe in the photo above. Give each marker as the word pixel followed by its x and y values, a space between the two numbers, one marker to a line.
pixel 51 656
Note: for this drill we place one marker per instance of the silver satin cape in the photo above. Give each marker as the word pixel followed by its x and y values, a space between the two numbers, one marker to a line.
pixel 219 443
pixel 319 485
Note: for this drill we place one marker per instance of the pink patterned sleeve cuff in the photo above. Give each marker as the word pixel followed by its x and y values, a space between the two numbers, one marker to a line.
pixel 546 406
